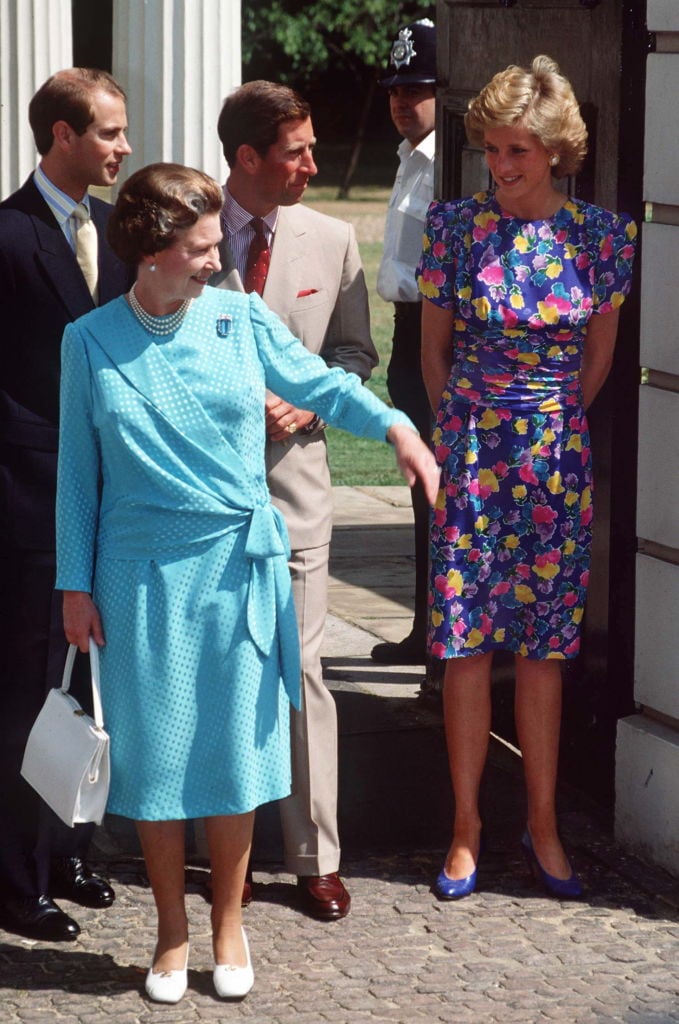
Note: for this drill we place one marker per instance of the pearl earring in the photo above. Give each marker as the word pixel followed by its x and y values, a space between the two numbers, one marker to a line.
pixel 553 160
pixel 152 267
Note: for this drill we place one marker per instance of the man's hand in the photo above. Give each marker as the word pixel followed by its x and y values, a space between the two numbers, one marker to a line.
pixel 82 620
pixel 282 419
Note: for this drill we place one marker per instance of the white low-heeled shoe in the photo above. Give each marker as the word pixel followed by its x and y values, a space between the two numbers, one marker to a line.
pixel 167 986
pixel 234 982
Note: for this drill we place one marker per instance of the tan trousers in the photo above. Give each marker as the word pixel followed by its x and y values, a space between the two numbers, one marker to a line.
pixel 309 816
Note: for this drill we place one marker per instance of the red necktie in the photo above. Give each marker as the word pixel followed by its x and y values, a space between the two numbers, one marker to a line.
pixel 259 257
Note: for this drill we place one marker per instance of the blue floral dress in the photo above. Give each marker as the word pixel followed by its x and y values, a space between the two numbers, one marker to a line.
pixel 511 531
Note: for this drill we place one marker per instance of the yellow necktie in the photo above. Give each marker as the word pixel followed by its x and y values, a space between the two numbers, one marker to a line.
pixel 86 246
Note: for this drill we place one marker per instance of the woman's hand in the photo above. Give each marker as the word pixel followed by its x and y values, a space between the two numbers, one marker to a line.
pixel 82 620
pixel 597 357
pixel 415 460
pixel 437 350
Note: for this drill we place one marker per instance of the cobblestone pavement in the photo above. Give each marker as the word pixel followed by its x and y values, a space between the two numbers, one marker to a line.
pixel 505 954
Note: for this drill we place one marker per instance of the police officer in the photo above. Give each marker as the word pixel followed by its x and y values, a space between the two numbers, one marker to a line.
pixel 410 80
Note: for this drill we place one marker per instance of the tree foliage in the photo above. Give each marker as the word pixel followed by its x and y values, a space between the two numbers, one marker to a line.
pixel 316 35
pixel 334 43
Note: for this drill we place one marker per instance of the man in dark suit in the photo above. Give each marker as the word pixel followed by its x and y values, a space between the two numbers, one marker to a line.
pixel 55 265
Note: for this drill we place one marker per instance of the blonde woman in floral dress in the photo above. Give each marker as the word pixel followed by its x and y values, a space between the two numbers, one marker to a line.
pixel 523 285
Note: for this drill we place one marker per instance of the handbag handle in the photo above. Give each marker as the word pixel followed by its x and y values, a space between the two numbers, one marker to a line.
pixel 94 674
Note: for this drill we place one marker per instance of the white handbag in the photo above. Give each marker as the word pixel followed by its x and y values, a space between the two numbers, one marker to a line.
pixel 66 759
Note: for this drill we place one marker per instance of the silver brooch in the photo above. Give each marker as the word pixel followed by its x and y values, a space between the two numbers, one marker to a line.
pixel 223 325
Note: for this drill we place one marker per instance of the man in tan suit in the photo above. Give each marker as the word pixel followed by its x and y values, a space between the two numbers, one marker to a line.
pixel 307 268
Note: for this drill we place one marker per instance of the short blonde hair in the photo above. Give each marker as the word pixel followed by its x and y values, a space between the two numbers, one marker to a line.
pixel 543 101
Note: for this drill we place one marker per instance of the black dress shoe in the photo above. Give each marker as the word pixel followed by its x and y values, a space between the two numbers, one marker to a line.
pixel 37 917
pixel 72 879
pixel 431 687
pixel 410 651
pixel 324 896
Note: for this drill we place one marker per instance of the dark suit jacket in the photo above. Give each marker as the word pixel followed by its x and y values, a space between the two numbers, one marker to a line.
pixel 41 290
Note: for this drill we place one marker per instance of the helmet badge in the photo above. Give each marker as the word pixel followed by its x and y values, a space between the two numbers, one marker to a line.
pixel 402 51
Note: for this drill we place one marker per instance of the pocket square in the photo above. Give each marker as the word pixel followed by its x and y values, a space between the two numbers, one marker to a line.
pixel 306 291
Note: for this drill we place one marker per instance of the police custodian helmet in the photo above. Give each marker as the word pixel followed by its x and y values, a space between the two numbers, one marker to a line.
pixel 412 59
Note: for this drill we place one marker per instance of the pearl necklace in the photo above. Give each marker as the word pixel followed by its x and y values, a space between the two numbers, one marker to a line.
pixel 158 325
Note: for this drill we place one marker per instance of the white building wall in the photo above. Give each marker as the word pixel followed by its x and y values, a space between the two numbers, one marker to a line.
pixel 647 755
pixel 663 15
pixel 177 60
pixel 36 39
pixel 647 809
pixel 656 661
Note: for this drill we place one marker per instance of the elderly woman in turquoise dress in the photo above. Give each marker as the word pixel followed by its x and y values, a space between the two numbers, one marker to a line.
pixel 171 555
pixel 523 287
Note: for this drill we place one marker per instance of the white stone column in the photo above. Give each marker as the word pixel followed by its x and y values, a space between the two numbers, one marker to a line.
pixel 36 40
pixel 176 60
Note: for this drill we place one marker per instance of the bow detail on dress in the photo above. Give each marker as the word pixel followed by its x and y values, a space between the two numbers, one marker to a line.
pixel 270 609
pixel 266 540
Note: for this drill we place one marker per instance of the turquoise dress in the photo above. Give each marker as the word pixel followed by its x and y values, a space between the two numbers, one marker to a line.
pixel 163 514
pixel 512 526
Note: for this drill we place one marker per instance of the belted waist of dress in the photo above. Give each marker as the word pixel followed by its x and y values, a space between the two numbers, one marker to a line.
pixel 269 597
pixel 519 397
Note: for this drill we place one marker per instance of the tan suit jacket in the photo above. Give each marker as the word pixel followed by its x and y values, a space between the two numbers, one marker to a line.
pixel 316 286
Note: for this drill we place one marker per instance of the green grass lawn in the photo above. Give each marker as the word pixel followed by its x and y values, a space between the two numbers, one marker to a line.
pixel 353 460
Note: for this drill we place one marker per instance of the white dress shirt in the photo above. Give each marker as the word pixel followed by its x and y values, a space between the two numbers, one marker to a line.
pixel 239 232
pixel 61 205
pixel 411 195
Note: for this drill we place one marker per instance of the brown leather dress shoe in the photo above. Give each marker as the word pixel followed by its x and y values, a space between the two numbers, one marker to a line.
pixel 71 878
pixel 324 896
